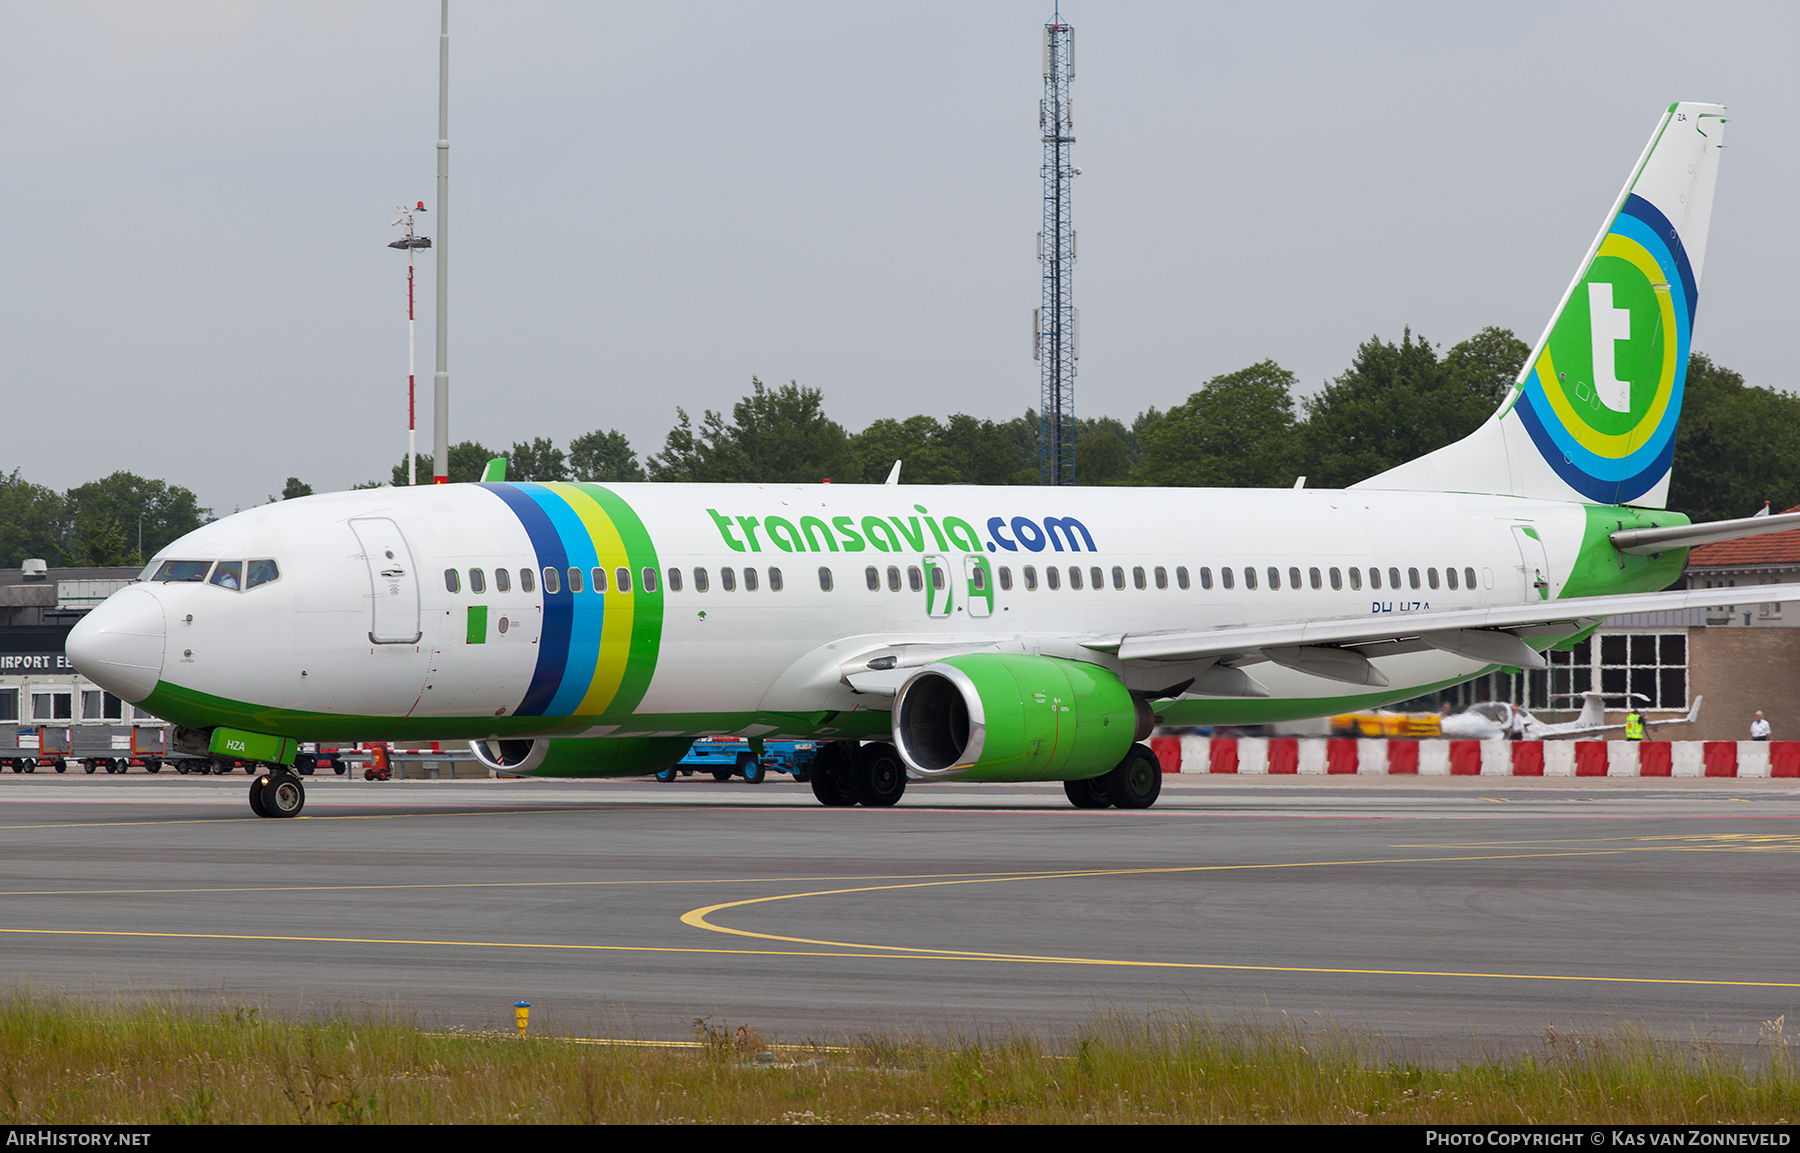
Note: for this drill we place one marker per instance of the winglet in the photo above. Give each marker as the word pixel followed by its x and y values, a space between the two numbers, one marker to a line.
pixel 495 470
pixel 894 475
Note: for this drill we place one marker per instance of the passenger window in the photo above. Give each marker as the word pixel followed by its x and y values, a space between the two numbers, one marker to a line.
pixel 624 580
pixel 1337 579
pixel 1118 575
pixel 1005 579
pixel 894 579
pixel 477 581
pixel 527 581
pixel 1374 577
pixel 775 584
pixel 1274 577
pixel 1030 572
pixel 575 581
pixel 979 579
pixel 1293 577
pixel 1098 579
pixel 1312 576
pixel 824 579
pixel 452 582
pixel 552 582
pixel 913 579
pixel 1355 578
pixel 699 580
pixel 1249 577
pixel 1412 578
pixel 1431 577
pixel 599 581
pixel 649 580
pixel 873 576
pixel 749 580
pixel 1225 576
pixel 228 574
pixel 1162 577
pixel 1074 577
pixel 728 579
pixel 1053 577
pixel 1469 578
pixel 262 572
pixel 502 581
pixel 1393 577
pixel 1450 578
pixel 937 578
pixel 674 580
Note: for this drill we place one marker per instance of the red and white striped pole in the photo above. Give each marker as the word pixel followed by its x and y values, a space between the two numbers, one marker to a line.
pixel 411 242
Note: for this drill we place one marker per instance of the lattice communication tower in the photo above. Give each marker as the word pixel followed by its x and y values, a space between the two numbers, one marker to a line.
pixel 1056 324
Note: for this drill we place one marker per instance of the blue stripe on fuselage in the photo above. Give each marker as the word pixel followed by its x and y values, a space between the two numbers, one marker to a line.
pixel 553 642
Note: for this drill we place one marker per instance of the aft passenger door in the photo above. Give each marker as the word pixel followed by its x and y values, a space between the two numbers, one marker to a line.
pixel 1534 564
pixel 393 585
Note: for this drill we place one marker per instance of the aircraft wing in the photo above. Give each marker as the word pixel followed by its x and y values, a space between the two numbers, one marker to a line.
pixel 1339 649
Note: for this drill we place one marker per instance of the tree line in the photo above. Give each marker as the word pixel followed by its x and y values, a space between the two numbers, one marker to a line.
pixel 1737 447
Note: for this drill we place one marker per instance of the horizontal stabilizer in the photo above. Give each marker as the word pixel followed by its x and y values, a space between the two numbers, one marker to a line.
pixel 1648 541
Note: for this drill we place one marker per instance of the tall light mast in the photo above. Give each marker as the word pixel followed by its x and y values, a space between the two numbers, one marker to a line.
pixel 1056 324
pixel 440 460
pixel 410 242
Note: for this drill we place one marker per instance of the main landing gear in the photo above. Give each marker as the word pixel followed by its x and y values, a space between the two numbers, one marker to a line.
pixel 277 793
pixel 1134 783
pixel 846 773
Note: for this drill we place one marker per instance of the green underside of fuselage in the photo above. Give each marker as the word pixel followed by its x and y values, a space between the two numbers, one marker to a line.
pixel 198 710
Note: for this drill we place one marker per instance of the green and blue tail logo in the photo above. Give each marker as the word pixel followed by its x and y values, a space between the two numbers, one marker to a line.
pixel 1593 414
pixel 1602 398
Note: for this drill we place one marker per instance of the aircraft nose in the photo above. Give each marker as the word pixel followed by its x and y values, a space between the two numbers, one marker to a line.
pixel 119 645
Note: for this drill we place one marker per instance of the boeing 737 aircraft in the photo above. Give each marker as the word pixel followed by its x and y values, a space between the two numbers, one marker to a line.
pixel 927 633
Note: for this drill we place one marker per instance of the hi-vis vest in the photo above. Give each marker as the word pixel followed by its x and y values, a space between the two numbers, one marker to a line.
pixel 1634 726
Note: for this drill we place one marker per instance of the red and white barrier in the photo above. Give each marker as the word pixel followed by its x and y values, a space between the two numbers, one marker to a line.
pixel 1344 756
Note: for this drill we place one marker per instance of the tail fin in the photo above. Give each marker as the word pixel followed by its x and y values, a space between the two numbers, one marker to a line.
pixel 1592 416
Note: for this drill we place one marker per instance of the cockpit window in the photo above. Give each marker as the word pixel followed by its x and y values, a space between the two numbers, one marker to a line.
pixel 228 574
pixel 182 570
pixel 261 573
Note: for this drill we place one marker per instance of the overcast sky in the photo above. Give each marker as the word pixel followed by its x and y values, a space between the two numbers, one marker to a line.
pixel 654 202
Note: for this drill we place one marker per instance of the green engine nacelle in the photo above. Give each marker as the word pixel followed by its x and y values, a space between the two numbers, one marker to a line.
pixel 1014 717
pixel 581 756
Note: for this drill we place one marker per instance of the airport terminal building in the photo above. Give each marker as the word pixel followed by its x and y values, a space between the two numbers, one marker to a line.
pixel 39 689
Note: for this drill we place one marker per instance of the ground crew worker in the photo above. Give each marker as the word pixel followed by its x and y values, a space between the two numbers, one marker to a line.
pixel 1634 725
pixel 1759 728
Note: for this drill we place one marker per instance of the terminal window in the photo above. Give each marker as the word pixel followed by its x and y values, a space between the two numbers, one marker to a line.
pixel 9 704
pixel 1653 665
pixel 52 706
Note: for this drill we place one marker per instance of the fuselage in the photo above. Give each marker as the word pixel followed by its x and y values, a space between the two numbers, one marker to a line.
pixel 502 610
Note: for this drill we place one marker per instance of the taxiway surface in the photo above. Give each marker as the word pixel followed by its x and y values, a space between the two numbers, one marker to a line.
pixel 1453 913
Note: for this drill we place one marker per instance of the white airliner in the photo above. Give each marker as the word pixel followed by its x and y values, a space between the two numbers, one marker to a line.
pixel 999 634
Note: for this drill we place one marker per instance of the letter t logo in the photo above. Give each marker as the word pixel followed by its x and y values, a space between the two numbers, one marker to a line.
pixel 1608 324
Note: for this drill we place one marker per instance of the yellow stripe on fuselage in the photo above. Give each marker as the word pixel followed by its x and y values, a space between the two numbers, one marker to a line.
pixel 615 625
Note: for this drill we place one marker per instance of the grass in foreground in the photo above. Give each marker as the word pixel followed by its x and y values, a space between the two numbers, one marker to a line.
pixel 66 1062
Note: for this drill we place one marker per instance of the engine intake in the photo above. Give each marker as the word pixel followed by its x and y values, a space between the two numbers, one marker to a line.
pixel 1015 717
